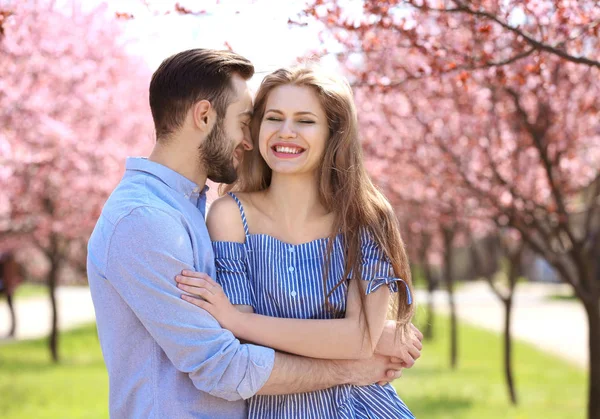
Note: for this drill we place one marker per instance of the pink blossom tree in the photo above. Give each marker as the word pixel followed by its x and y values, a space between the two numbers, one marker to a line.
pixel 73 104
pixel 499 100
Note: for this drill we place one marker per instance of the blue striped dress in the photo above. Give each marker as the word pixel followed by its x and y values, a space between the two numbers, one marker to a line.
pixel 284 280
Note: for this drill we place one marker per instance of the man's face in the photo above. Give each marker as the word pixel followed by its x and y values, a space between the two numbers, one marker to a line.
pixel 223 148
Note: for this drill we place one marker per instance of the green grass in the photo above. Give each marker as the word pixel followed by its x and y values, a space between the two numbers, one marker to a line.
pixel 32 387
pixel 563 297
pixel 547 387
pixel 30 289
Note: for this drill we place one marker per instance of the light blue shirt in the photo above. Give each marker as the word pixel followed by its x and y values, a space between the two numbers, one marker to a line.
pixel 165 357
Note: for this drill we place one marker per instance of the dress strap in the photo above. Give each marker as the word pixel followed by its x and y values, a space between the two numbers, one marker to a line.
pixel 242 213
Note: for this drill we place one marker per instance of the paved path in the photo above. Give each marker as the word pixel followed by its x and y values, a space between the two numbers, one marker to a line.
pixel 558 327
pixel 34 313
pixel 555 326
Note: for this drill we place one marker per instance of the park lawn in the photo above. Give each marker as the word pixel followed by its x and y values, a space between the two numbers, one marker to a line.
pixel 32 387
pixel 31 289
pixel 547 387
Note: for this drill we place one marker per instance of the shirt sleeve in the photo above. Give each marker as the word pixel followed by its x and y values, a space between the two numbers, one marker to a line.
pixel 232 272
pixel 147 249
pixel 377 268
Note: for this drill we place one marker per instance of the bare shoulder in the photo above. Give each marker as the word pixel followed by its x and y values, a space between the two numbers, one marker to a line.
pixel 251 200
pixel 224 221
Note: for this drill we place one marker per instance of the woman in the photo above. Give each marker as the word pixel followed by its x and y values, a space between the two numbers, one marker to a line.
pixel 308 244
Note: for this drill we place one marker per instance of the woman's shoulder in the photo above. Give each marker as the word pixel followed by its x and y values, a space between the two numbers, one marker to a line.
pixel 224 220
pixel 247 198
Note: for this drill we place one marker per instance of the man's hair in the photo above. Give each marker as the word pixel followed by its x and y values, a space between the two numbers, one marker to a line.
pixel 188 77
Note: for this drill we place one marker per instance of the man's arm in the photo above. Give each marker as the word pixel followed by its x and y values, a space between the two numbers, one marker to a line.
pixel 296 374
pixel 146 250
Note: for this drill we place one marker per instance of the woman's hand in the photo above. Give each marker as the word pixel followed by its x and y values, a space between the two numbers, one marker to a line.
pixel 212 298
pixel 405 348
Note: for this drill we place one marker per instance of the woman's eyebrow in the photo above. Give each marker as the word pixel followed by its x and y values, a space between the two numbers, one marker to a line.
pixel 297 113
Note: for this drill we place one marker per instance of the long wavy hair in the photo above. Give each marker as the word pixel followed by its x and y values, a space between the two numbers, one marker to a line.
pixel 344 185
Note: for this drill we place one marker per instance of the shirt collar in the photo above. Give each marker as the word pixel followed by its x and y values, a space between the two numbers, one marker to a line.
pixel 189 189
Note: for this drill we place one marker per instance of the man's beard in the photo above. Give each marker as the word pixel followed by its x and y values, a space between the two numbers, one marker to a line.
pixel 216 155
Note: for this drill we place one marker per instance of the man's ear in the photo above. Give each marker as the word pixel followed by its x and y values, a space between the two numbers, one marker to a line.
pixel 203 115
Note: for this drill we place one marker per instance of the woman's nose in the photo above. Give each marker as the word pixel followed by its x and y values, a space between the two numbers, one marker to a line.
pixel 287 130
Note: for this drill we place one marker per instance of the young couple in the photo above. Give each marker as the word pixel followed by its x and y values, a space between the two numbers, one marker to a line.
pixel 300 259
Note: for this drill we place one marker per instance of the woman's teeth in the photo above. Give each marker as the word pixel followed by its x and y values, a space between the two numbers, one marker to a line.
pixel 288 150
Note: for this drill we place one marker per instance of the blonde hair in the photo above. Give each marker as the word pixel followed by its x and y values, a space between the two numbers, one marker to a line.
pixel 344 185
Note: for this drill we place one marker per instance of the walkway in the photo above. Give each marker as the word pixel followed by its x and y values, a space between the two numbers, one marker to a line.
pixel 558 327
pixel 34 313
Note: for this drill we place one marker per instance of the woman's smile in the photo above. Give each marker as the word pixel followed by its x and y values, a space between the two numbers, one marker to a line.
pixel 287 151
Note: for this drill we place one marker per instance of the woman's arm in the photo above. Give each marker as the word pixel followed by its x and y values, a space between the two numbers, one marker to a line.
pixel 224 223
pixel 345 338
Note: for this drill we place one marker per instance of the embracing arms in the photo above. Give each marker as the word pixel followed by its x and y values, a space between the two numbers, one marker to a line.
pixel 346 338
pixel 143 252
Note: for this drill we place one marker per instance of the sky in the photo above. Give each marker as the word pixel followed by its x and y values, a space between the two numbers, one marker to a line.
pixel 257 29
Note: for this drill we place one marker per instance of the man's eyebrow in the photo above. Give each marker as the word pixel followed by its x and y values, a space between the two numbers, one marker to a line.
pixel 297 113
pixel 247 112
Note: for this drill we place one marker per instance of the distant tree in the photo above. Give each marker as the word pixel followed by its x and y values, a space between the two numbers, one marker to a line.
pixel 500 100
pixel 73 104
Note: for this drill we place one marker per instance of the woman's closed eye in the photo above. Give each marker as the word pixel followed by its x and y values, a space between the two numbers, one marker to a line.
pixel 302 121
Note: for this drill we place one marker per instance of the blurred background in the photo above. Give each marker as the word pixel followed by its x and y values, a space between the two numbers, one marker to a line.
pixel 480 121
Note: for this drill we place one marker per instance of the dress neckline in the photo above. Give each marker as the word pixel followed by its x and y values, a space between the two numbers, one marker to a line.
pixel 284 243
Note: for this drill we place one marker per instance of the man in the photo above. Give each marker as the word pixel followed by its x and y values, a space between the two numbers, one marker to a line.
pixel 166 358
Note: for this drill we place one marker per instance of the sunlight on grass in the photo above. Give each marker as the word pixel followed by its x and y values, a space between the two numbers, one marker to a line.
pixel 31 289
pixel 546 386
pixel 32 387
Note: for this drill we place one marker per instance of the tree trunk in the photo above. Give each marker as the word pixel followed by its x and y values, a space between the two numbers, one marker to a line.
pixel 53 342
pixel 592 309
pixel 508 349
pixel 453 328
pixel 428 333
pixel 448 277
pixel 52 282
pixel 13 317
pixel 514 270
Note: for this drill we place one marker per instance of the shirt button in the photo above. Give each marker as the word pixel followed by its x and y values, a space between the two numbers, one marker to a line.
pixel 291 249
pixel 293 293
pixel 291 269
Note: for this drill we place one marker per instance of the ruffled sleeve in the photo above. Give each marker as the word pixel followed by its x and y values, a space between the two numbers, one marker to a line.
pixel 232 273
pixel 377 269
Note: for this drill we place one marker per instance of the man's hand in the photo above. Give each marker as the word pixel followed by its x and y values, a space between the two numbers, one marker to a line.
pixel 377 369
pixel 404 348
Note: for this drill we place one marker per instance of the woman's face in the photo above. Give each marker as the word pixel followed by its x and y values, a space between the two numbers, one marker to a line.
pixel 293 130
